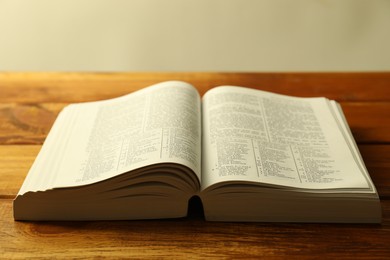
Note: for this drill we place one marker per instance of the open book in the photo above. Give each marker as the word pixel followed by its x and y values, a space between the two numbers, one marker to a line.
pixel 249 155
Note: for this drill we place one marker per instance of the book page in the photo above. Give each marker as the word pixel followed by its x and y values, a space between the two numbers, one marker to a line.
pixel 251 135
pixel 93 141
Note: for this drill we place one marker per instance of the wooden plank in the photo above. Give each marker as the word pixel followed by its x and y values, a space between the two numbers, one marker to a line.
pixel 29 103
pixel 61 87
pixel 369 122
pixel 27 123
pixel 16 160
pixel 193 237
pixel 30 123
pixel 377 161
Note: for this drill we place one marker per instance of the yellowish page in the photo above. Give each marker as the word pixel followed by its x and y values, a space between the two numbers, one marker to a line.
pixel 93 141
pixel 251 135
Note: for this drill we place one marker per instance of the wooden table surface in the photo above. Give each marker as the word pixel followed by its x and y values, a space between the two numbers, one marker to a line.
pixel 30 102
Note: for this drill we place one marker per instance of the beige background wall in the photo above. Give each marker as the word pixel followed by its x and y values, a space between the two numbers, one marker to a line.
pixel 196 35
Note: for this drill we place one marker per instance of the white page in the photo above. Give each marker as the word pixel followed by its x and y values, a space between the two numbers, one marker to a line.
pixel 251 135
pixel 106 138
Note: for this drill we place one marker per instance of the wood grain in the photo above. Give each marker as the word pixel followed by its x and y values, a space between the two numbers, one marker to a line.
pixel 369 121
pixel 190 237
pixel 30 102
pixel 15 162
pixel 62 87
pixel 27 123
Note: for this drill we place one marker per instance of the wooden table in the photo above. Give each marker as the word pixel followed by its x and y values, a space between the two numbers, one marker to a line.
pixel 30 102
